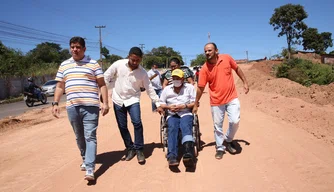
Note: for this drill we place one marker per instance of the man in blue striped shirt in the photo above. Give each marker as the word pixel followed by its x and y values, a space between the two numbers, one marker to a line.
pixel 81 78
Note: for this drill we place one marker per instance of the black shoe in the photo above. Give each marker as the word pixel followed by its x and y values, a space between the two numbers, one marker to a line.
pixel 219 154
pixel 172 161
pixel 140 156
pixel 231 147
pixel 188 156
pixel 131 153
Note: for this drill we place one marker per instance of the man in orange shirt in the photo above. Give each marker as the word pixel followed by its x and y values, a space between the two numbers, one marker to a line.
pixel 217 71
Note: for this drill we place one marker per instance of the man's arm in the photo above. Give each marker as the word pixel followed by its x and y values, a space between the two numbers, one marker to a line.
pixel 199 93
pixel 165 83
pixel 104 93
pixel 36 86
pixel 153 76
pixel 60 87
pixel 243 78
pixel 109 74
pixel 151 92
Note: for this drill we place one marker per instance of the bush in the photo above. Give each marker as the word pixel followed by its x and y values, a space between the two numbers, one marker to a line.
pixel 305 72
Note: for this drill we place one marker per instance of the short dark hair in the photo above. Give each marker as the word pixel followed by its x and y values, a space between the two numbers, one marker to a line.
pixel 137 51
pixel 176 60
pixel 212 43
pixel 79 40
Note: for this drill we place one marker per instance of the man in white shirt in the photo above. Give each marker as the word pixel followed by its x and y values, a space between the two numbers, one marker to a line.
pixel 155 78
pixel 127 77
pixel 179 98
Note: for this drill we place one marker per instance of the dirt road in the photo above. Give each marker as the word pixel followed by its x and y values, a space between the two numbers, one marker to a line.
pixel 285 144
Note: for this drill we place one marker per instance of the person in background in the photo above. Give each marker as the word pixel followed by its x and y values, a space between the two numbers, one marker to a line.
pixel 33 88
pixel 175 63
pixel 155 79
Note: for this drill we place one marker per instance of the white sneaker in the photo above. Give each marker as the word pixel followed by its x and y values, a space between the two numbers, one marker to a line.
pixel 89 175
pixel 83 167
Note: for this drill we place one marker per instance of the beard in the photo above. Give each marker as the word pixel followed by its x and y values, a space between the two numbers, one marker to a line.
pixel 133 66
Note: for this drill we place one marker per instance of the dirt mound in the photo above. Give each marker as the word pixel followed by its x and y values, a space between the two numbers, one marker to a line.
pixel 308 108
pixel 28 119
pixel 261 78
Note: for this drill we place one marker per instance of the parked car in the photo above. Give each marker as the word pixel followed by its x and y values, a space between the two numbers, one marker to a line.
pixel 50 87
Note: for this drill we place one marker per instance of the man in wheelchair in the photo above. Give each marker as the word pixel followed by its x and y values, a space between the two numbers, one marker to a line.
pixel 178 99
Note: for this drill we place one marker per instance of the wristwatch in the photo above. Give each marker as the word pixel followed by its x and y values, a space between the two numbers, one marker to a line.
pixel 54 103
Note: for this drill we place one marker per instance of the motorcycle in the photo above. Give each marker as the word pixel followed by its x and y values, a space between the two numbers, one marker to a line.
pixel 30 99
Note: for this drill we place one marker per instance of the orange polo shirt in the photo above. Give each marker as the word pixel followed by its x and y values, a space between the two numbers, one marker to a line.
pixel 220 79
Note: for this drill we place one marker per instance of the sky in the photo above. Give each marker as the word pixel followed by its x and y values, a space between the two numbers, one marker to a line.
pixel 237 26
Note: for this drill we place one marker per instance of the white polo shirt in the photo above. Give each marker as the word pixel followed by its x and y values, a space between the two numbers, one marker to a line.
pixel 126 83
pixel 186 95
pixel 156 81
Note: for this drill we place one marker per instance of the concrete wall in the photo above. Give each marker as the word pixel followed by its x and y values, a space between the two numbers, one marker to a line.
pixel 14 86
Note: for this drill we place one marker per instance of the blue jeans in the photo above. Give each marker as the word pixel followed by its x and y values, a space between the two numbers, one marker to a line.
pixel 175 123
pixel 233 113
pixel 158 92
pixel 122 121
pixel 38 94
pixel 84 121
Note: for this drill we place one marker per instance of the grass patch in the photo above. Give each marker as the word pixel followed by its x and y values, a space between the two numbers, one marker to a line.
pixel 305 72
pixel 12 100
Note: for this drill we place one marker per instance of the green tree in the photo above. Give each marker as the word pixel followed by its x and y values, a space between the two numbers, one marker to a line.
pixel 46 52
pixel 328 41
pixel 150 60
pixel 165 53
pixel 312 40
pixel 285 52
pixel 289 19
pixel 200 60
pixel 64 54
pixel 112 58
pixel 13 62
pixel 105 52
pixel 331 53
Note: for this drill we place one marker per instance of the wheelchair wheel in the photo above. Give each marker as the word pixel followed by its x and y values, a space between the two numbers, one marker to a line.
pixel 197 136
pixel 163 135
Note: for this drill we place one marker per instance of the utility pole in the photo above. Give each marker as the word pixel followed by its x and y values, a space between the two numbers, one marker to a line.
pixel 142 49
pixel 100 27
pixel 247 55
pixel 208 37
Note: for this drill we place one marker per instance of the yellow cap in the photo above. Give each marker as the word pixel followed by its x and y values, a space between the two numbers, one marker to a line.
pixel 177 72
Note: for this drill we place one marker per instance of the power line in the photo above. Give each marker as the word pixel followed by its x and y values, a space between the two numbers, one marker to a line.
pixel 10 27
pixel 34 29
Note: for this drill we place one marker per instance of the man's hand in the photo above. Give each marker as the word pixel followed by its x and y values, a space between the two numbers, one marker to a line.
pixel 56 111
pixel 173 108
pixel 195 108
pixel 104 109
pixel 180 107
pixel 160 110
pixel 246 88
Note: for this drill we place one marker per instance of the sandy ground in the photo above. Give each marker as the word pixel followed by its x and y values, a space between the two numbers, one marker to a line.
pixel 285 143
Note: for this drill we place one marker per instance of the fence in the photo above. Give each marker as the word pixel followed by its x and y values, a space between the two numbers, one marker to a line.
pixel 14 86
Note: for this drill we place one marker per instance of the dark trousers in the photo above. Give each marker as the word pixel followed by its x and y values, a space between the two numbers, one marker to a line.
pixel 122 121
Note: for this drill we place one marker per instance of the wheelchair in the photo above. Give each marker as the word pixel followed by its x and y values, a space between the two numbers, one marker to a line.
pixel 164 134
